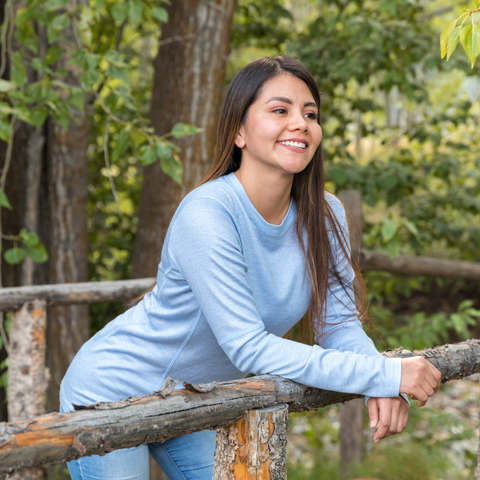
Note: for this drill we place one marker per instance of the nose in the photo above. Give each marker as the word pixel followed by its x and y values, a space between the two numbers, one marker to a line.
pixel 298 122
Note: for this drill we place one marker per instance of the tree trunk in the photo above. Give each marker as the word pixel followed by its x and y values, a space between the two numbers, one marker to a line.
pixel 254 447
pixel 26 370
pixel 352 442
pixel 188 88
pixel 69 326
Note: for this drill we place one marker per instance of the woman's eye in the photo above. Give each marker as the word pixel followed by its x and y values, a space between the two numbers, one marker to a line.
pixel 280 110
pixel 312 115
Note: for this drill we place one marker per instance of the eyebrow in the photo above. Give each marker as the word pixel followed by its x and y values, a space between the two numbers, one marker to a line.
pixel 287 100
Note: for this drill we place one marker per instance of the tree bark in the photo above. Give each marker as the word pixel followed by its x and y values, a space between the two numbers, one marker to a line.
pixel 74 293
pixel 255 447
pixel 188 88
pixel 352 442
pixel 26 369
pixel 105 427
pixel 68 326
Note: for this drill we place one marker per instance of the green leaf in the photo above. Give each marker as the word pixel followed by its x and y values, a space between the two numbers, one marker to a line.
pixel 169 164
pixel 24 15
pixel 30 239
pixel 444 36
pixel 60 22
pixel 6 86
pixel 119 11
pixel 37 253
pixel 389 229
pixel 181 130
pixel 38 115
pixel 14 255
pixel 19 73
pixel 160 14
pixel 135 11
pixel 4 130
pixel 389 181
pixel 121 145
pixel 4 200
pixel 147 155
pixel 52 5
pixel 77 99
pixel 476 4
pixel 453 39
pixel 338 176
pixel 53 54
pixel 411 227
pixel 470 38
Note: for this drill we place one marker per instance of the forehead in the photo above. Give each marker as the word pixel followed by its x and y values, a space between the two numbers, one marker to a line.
pixel 286 85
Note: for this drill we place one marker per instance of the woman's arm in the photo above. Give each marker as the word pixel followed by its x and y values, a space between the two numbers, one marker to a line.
pixel 205 247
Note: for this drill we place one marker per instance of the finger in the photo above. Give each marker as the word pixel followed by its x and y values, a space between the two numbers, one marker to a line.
pixel 437 376
pixel 372 412
pixel 396 409
pixel 384 424
pixel 405 417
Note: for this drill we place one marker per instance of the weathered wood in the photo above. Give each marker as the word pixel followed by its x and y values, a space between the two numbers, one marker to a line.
pixel 26 369
pixel 477 468
pixel 71 293
pixel 59 437
pixel 254 447
pixel 352 442
pixel 407 265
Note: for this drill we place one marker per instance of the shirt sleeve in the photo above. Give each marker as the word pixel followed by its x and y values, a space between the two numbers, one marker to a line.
pixel 343 330
pixel 206 248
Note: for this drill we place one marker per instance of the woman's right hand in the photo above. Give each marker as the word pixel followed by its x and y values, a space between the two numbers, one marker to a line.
pixel 420 379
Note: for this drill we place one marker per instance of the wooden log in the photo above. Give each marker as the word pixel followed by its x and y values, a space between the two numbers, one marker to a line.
pixel 254 447
pixel 26 370
pixel 428 266
pixel 122 290
pixel 74 293
pixel 352 441
pixel 57 437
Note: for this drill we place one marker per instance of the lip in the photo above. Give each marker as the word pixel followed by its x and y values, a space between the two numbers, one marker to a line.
pixel 294 149
pixel 302 140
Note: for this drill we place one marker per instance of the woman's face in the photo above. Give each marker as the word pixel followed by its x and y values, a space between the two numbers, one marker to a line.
pixel 280 132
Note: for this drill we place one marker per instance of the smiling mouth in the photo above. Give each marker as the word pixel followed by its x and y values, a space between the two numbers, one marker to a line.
pixel 294 144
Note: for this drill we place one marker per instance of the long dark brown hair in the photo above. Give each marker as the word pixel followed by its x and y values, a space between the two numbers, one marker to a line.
pixel 314 214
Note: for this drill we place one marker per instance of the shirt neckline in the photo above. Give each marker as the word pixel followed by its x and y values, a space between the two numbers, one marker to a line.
pixel 253 214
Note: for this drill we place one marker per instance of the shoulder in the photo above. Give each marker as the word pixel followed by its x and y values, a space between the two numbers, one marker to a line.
pixel 213 195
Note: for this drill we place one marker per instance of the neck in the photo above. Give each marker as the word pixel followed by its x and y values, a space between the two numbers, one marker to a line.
pixel 270 192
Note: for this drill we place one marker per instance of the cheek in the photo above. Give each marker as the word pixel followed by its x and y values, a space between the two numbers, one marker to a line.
pixel 317 134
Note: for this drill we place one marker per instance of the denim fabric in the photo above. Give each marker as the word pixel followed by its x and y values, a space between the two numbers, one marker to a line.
pixel 188 457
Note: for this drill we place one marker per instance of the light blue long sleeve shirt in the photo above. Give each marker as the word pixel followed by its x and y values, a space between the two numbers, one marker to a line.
pixel 229 286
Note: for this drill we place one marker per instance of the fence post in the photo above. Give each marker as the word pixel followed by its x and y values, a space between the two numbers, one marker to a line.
pixel 352 443
pixel 26 370
pixel 254 447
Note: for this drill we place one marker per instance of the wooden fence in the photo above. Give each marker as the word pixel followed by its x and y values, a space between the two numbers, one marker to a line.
pixel 225 406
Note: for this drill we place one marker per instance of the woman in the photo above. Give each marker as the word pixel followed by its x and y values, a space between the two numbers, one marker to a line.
pixel 247 254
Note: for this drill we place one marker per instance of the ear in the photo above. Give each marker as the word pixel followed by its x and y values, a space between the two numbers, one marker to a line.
pixel 240 138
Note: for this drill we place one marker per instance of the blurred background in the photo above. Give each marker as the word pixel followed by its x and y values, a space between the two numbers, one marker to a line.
pixel 102 106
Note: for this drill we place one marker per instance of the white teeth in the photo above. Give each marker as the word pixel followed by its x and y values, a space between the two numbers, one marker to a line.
pixel 294 144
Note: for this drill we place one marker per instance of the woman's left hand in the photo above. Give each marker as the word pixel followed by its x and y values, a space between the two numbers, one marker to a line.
pixel 390 414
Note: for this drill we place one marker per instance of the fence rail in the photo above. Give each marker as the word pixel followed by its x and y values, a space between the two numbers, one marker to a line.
pixel 102 428
pixel 122 290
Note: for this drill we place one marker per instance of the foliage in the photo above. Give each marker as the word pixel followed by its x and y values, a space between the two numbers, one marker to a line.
pixel 460 30
pixel 423 331
pixel 87 39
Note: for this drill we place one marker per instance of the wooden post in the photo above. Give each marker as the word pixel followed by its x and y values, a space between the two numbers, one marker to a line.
pixel 27 385
pixel 254 447
pixel 352 442
pixel 477 468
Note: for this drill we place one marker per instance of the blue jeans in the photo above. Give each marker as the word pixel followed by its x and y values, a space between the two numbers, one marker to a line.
pixel 188 457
